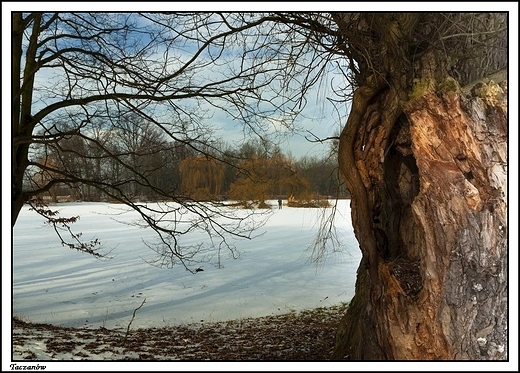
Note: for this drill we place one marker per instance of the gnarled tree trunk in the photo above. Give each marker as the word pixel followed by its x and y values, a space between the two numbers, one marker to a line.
pixel 426 165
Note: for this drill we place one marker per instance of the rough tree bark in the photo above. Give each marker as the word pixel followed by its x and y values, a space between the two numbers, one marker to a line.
pixel 425 162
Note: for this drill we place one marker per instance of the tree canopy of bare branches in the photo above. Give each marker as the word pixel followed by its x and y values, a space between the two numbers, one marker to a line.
pixel 102 101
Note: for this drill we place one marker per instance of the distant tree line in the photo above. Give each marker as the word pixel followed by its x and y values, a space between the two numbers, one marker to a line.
pixel 253 171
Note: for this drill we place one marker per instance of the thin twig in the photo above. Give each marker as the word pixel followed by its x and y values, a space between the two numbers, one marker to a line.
pixel 131 320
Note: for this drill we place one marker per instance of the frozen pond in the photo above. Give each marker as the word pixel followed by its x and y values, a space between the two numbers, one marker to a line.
pixel 273 274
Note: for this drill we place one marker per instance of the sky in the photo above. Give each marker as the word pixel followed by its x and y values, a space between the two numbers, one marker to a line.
pixel 319 117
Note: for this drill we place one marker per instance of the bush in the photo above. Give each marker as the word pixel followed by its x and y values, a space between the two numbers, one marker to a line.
pixel 309 204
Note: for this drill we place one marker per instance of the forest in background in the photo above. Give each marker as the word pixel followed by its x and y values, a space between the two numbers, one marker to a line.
pixel 250 172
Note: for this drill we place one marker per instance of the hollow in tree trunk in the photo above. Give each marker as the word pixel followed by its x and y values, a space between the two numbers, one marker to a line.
pixel 426 166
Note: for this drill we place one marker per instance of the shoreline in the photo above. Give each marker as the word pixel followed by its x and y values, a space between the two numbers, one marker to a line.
pixel 296 336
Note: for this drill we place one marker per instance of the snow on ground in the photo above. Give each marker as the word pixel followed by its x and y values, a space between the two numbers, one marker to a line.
pixel 304 336
pixel 273 275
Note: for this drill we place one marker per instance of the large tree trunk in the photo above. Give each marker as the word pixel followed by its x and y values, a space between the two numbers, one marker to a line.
pixel 438 286
pixel 426 167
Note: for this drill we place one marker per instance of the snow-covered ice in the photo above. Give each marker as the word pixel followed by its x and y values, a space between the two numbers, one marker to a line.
pixel 273 274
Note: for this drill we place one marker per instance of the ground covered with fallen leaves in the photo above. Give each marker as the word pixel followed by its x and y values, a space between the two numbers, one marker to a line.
pixel 303 336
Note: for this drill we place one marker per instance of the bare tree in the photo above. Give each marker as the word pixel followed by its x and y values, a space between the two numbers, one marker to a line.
pixel 202 177
pixel 81 81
